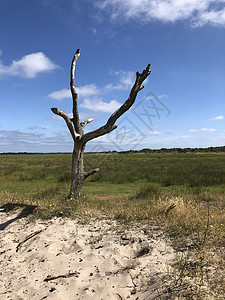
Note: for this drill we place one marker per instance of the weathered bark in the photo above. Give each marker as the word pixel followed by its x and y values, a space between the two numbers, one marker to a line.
pixel 75 119
pixel 76 128
pixel 77 172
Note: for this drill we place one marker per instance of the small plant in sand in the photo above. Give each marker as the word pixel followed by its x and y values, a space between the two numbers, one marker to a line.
pixel 143 251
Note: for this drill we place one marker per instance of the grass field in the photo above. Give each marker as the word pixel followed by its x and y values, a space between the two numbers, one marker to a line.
pixel 184 193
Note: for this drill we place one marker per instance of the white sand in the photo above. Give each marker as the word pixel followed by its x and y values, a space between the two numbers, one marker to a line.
pixel 100 257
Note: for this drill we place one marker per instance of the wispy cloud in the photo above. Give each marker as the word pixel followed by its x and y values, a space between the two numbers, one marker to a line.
pixel 88 90
pixel 214 17
pixel 18 135
pixel 59 95
pixel 198 13
pixel 125 81
pixel 217 118
pixel 94 30
pixel 203 130
pixel 36 128
pixel 156 132
pixel 19 141
pixel 55 118
pixel 83 91
pixel 99 105
pixel 28 66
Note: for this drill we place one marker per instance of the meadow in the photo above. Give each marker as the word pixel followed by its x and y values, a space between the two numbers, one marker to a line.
pixel 182 193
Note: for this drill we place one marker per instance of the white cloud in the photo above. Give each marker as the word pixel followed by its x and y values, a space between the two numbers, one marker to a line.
pixel 211 17
pixel 28 66
pixel 83 91
pixel 203 130
pixel 217 118
pixel 156 132
pixel 197 12
pixel 59 95
pixel 126 77
pixel 99 105
pixel 88 90
pixel 126 80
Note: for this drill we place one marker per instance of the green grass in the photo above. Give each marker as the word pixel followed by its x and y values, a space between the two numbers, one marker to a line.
pixel 184 169
pixel 182 192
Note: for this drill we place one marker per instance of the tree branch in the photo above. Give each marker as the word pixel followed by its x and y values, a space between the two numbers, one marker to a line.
pixel 70 274
pixel 110 125
pixel 64 115
pixel 75 119
pixel 27 238
pixel 87 174
pixel 83 124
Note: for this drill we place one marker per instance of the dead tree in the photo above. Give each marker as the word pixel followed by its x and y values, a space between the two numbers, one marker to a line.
pixel 76 128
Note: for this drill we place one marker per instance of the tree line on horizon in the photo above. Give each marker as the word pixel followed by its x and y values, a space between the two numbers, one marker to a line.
pixel 144 150
pixel 175 150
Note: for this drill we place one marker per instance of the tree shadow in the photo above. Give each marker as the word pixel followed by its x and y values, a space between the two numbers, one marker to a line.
pixel 26 211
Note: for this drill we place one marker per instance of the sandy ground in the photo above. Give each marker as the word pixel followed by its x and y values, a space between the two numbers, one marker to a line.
pixel 69 260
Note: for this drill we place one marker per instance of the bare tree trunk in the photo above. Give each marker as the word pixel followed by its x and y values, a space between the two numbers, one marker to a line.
pixel 77 172
pixel 78 175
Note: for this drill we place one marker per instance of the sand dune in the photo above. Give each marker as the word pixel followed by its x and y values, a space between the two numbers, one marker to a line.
pixel 69 260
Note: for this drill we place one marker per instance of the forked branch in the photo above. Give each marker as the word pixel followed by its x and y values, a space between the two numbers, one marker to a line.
pixel 110 125
pixel 69 124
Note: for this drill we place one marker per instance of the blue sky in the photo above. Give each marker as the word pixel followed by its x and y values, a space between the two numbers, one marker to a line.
pixel 182 104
